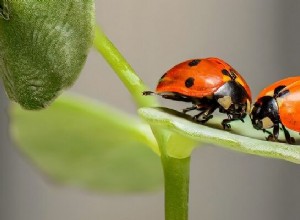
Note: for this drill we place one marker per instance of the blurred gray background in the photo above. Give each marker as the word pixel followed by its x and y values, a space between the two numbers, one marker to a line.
pixel 261 39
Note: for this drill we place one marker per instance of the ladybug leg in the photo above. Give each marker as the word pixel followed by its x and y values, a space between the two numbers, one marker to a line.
pixel 274 136
pixel 266 131
pixel 205 119
pixel 205 115
pixel 194 107
pixel 225 122
pixel 288 138
pixel 196 117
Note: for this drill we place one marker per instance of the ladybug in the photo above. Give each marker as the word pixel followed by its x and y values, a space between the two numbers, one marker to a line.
pixel 278 105
pixel 209 84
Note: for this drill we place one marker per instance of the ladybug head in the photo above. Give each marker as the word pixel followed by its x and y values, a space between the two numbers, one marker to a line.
pixel 233 99
pixel 264 113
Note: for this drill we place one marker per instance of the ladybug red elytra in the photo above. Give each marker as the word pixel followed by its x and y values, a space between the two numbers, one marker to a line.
pixel 278 104
pixel 209 84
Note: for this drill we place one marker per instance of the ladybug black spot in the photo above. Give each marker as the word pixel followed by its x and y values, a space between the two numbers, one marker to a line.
pixel 163 76
pixel 194 62
pixel 225 72
pixel 282 93
pixel 189 82
pixel 278 89
pixel 231 74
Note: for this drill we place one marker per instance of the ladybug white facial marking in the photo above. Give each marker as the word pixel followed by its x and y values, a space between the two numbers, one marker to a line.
pixel 267 123
pixel 248 107
pixel 225 102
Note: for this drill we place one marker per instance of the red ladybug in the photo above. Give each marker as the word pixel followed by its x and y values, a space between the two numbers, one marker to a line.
pixel 278 104
pixel 209 84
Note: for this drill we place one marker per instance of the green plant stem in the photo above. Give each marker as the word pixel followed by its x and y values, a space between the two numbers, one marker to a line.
pixel 124 71
pixel 176 172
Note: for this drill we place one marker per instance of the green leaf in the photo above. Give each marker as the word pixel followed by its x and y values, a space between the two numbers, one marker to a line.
pixel 43 47
pixel 83 143
pixel 242 136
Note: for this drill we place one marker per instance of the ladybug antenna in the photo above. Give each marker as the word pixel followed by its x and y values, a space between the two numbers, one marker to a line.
pixel 148 93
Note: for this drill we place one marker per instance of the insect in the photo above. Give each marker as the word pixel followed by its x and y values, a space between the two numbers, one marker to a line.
pixel 278 104
pixel 209 84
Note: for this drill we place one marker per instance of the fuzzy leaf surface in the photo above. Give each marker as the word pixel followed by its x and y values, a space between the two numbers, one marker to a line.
pixel 43 47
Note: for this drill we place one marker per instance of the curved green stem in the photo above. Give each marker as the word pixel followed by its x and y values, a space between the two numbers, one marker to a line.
pixel 124 71
pixel 176 171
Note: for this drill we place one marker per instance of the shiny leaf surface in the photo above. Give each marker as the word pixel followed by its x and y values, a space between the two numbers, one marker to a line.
pixel 242 136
